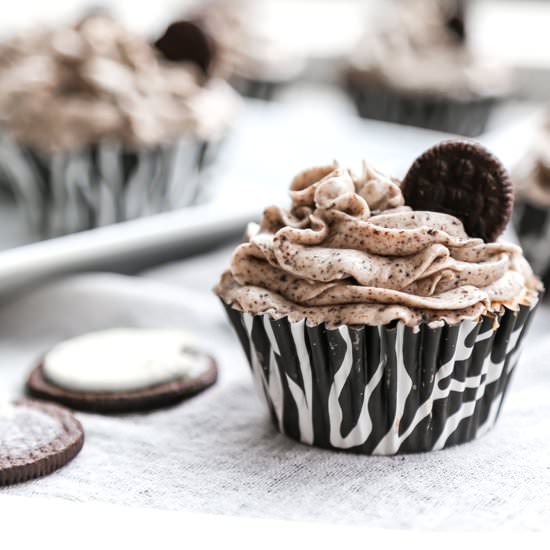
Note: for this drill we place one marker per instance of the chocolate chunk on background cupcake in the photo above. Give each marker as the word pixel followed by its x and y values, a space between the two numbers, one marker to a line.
pixel 97 129
pixel 123 370
pixel 255 59
pixel 415 66
pixel 373 327
pixel 35 440
pixel 531 217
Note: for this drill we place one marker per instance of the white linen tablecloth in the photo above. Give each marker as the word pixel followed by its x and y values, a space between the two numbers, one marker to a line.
pixel 218 453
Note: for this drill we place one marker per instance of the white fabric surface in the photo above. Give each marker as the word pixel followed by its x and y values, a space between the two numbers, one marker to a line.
pixel 218 452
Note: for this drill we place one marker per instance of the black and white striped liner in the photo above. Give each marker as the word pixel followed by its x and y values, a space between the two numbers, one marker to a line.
pixel 382 390
pixel 256 89
pixel 532 225
pixel 466 117
pixel 101 184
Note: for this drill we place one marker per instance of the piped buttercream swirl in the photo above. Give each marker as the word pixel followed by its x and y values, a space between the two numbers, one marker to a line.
pixel 348 251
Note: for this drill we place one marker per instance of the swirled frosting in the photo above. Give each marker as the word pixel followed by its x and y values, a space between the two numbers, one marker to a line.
pixel 349 251
pixel 412 48
pixel 247 48
pixel 67 87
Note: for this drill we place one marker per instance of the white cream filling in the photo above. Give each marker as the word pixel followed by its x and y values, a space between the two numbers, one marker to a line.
pixel 123 360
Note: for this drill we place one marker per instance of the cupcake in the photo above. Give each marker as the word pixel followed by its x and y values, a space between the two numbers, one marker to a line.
pixel 532 210
pixel 256 61
pixel 97 129
pixel 414 67
pixel 376 325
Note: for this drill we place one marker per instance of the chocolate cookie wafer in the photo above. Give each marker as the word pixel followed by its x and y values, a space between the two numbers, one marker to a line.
pixel 185 41
pixel 463 179
pixel 36 439
pixel 123 370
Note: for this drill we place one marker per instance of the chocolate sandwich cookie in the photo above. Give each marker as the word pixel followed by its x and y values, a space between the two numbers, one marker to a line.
pixel 463 179
pixel 35 440
pixel 455 19
pixel 123 370
pixel 185 41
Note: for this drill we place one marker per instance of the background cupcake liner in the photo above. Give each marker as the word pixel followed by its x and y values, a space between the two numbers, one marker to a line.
pixel 101 184
pixel 445 114
pixel 382 390
pixel 532 225
pixel 256 89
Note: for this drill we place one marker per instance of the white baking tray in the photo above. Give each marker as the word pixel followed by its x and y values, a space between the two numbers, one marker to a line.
pixel 271 143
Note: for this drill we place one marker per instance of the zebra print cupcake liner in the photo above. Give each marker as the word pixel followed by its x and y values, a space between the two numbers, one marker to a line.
pixel 101 184
pixel 382 390
pixel 256 89
pixel 444 114
pixel 532 225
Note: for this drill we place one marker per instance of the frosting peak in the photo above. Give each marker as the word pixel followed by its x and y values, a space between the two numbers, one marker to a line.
pixel 335 187
pixel 349 251
pixel 334 190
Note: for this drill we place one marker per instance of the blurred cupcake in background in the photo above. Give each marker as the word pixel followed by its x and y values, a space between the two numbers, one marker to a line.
pixel 414 66
pixel 254 59
pixel 97 129
pixel 531 217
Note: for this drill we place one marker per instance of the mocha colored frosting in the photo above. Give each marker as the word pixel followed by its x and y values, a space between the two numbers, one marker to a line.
pixel 247 48
pixel 349 252
pixel 67 87
pixel 414 48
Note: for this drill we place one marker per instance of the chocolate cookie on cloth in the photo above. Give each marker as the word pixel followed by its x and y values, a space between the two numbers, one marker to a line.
pixel 464 179
pixel 123 370
pixel 35 440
